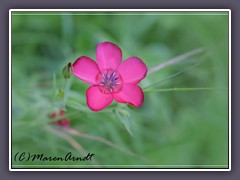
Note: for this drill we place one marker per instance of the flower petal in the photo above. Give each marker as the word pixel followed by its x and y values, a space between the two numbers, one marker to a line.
pixel 109 56
pixel 86 69
pixel 132 70
pixel 131 94
pixel 96 100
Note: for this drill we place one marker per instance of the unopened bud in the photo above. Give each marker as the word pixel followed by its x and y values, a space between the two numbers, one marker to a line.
pixel 67 71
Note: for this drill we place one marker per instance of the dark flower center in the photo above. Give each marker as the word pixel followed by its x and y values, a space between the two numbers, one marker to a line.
pixel 109 81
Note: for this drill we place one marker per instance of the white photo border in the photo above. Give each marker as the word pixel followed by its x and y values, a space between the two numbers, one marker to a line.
pixel 120 10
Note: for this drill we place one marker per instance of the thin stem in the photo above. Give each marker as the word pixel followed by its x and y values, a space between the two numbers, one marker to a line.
pixel 70 140
pixel 182 89
pixel 169 77
pixel 104 141
pixel 175 60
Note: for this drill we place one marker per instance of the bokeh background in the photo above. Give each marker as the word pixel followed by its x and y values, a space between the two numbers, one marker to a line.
pixel 173 129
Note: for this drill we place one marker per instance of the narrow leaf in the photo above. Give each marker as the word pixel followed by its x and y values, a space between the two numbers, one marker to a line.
pixel 124 118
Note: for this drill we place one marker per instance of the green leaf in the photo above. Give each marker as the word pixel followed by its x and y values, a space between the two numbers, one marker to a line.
pixel 124 117
pixel 60 93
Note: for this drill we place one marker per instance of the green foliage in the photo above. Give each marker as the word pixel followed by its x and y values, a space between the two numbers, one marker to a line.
pixel 184 118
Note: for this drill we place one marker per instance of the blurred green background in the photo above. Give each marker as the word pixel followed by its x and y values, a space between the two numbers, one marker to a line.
pixel 173 129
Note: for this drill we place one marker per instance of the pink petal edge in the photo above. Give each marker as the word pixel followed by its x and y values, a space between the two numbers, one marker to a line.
pixel 96 100
pixel 108 55
pixel 132 70
pixel 131 94
pixel 86 69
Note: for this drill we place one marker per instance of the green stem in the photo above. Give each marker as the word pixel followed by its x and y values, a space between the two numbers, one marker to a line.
pixel 176 60
pixel 182 89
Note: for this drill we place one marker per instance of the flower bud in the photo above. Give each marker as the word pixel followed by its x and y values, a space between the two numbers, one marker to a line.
pixel 67 71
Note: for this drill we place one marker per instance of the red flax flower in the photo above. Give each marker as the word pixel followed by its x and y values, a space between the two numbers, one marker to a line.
pixel 63 122
pixel 111 79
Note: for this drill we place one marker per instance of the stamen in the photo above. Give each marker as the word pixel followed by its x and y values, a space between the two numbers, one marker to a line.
pixel 112 74
pixel 109 81
pixel 107 76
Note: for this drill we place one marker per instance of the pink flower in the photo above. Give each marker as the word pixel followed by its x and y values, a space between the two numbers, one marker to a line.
pixel 111 79
pixel 63 122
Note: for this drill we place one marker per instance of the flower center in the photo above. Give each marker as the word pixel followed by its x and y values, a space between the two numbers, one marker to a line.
pixel 109 81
